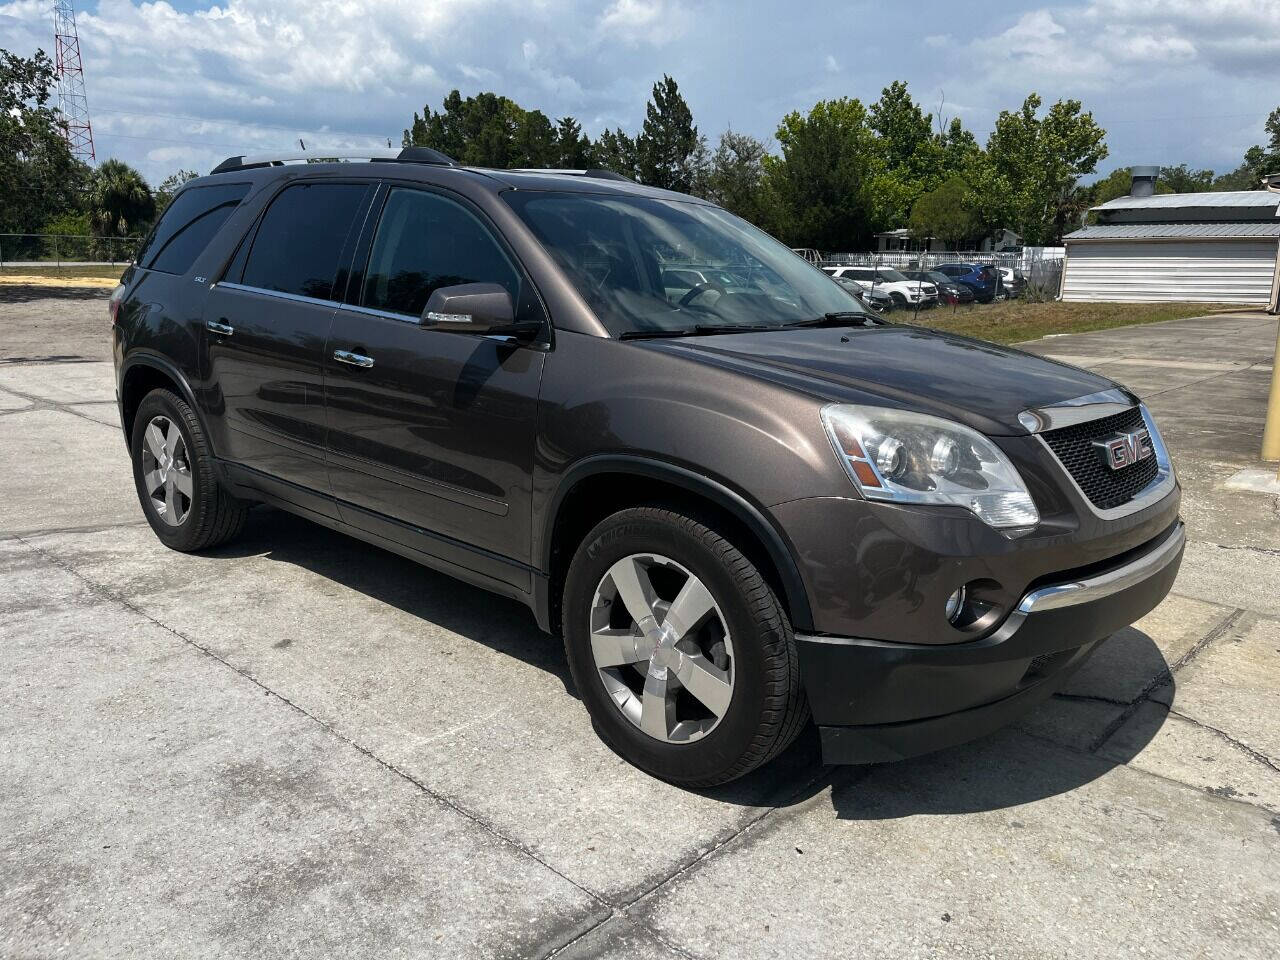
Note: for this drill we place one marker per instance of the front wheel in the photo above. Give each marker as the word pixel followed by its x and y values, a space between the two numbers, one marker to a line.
pixel 682 654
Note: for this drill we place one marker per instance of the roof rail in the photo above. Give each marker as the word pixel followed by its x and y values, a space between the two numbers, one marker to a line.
pixel 598 173
pixel 406 155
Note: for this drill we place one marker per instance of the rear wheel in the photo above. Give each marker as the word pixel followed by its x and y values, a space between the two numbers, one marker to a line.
pixel 679 649
pixel 173 472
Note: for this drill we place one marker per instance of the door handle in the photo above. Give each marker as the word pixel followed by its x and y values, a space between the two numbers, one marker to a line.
pixel 355 359
pixel 222 329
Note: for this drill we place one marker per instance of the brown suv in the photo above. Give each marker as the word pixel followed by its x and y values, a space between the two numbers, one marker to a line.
pixel 742 500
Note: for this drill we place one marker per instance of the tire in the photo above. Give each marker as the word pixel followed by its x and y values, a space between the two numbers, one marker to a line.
pixel 899 301
pixel 703 744
pixel 211 516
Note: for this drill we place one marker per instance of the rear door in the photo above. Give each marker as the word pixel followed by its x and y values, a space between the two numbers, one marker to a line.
pixel 432 431
pixel 265 324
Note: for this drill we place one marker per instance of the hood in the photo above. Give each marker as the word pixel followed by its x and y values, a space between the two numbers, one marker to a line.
pixel 977 383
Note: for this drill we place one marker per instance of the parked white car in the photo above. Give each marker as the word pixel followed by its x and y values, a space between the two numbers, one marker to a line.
pixel 901 290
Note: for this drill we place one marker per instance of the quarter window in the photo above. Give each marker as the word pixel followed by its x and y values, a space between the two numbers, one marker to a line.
pixel 187 226
pixel 424 242
pixel 301 238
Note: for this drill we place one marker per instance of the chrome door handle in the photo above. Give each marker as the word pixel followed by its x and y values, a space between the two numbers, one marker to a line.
pixel 222 329
pixel 355 359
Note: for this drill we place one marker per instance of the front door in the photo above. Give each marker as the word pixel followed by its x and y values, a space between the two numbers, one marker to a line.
pixel 432 431
pixel 265 327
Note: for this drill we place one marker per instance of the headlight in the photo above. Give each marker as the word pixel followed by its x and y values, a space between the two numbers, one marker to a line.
pixel 914 458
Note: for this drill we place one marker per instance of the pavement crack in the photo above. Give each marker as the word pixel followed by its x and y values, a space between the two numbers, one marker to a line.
pixel 440 798
pixel 1165 677
pixel 1243 747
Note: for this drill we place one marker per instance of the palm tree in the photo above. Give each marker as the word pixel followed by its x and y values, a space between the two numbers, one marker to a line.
pixel 120 202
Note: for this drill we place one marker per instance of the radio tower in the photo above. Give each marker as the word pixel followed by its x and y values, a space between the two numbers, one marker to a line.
pixel 71 98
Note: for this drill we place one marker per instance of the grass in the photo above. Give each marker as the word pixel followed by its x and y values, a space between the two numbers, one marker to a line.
pixel 70 273
pixel 1012 321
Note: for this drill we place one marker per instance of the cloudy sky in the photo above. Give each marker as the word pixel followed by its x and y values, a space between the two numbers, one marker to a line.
pixel 184 84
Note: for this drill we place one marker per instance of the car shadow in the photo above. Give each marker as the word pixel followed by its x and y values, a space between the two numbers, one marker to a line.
pixel 1005 769
pixel 25 293
pixel 1068 741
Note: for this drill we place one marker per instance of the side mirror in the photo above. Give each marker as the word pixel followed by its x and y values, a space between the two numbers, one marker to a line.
pixel 479 309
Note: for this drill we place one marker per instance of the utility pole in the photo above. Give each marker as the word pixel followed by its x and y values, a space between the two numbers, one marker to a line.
pixel 71 96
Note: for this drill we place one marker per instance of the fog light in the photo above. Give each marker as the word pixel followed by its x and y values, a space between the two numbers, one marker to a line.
pixel 955 604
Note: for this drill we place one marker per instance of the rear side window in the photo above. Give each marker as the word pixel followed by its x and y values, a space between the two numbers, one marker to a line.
pixel 301 238
pixel 424 242
pixel 188 225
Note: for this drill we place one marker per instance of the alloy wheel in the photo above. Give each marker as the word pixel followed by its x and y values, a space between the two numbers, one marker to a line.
pixel 662 648
pixel 166 470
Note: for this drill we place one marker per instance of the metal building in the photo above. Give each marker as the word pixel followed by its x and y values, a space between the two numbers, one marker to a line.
pixel 1199 247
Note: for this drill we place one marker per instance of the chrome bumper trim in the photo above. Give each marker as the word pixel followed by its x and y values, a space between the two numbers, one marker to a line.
pixel 1089 589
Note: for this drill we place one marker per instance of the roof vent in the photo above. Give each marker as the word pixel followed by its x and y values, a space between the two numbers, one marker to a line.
pixel 1143 183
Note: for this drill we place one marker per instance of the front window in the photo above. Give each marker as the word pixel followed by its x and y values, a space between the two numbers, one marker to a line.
pixel 890 276
pixel 648 266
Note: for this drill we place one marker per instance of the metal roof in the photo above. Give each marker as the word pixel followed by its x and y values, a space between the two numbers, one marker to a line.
pixel 1177 231
pixel 1165 201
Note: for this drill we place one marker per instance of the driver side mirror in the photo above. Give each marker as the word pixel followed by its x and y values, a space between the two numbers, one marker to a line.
pixel 480 309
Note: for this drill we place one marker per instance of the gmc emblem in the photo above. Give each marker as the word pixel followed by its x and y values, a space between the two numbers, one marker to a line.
pixel 1125 449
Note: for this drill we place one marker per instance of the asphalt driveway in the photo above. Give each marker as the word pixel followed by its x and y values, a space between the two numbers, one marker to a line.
pixel 303 745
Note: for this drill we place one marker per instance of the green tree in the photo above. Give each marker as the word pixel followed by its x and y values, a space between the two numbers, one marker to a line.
pixel 1182 179
pixel 614 150
pixel 1258 160
pixel 734 177
pixel 573 147
pixel 169 186
pixel 912 156
pixel 486 130
pixel 120 202
pixel 40 180
pixel 667 147
pixel 945 213
pixel 1038 161
pixel 820 187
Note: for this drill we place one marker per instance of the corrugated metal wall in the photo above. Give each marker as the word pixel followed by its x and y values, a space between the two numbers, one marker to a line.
pixel 1216 271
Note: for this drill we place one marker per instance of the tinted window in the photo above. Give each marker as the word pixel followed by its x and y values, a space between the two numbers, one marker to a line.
pixel 301 237
pixel 424 242
pixel 188 225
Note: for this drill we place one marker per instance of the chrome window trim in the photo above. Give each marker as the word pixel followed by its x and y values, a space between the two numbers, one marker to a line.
pixel 1088 589
pixel 384 314
pixel 278 294
pixel 1068 413
pixel 1161 485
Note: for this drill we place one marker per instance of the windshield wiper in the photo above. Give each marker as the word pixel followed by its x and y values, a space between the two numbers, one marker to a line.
pixel 698 330
pixel 844 318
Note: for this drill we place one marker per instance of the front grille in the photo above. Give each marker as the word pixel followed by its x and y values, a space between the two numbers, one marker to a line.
pixel 1105 488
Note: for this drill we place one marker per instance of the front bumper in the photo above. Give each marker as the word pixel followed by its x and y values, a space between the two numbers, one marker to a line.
pixel 876 700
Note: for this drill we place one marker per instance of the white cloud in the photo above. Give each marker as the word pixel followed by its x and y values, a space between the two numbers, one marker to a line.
pixel 831 64
pixel 644 21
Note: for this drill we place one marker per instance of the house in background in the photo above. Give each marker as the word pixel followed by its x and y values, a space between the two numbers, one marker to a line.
pixel 1197 247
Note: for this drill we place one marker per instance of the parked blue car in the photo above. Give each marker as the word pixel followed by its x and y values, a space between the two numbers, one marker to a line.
pixel 982 278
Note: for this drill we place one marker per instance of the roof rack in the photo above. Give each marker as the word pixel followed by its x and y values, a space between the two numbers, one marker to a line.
pixel 598 173
pixel 406 155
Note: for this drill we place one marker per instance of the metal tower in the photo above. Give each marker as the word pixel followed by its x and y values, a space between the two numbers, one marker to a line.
pixel 71 97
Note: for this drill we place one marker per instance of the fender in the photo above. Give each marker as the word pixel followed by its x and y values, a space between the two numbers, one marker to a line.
pixel 774 541
pixel 169 369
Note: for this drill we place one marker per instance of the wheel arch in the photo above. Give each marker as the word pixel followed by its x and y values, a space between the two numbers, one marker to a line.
pixel 143 373
pixel 599 486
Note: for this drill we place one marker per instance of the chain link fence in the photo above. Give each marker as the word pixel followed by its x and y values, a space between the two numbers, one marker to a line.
pixel 1041 267
pixel 57 250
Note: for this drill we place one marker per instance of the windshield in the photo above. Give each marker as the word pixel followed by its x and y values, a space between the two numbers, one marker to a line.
pixel 890 276
pixel 936 277
pixel 646 265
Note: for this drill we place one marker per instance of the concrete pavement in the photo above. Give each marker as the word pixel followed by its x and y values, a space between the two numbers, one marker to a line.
pixel 300 744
